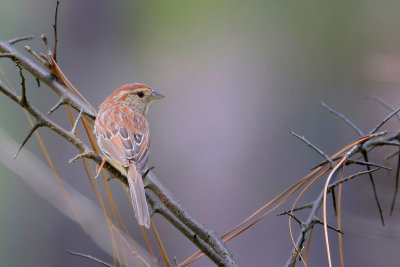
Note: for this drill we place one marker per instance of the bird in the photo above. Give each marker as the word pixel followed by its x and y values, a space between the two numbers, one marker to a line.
pixel 122 133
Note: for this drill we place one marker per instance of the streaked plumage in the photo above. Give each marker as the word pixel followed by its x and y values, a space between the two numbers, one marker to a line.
pixel 122 133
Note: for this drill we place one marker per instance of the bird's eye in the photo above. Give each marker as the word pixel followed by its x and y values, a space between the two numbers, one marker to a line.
pixel 140 94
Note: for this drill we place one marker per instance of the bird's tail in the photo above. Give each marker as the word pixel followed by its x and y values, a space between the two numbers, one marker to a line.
pixel 138 196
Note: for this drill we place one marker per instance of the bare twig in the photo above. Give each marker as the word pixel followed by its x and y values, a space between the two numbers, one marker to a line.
pixel 36 56
pixel 383 102
pixel 46 77
pixel 329 226
pixel 55 32
pixel 207 240
pixel 351 177
pixel 340 115
pixel 299 243
pixel 384 121
pixel 293 216
pixel 20 39
pixel 360 162
pixel 89 257
pixel 319 151
pixel 77 122
pixel 396 187
pixel 56 106
pixel 85 154
pixel 371 178
pixel 308 206
pixel 304 231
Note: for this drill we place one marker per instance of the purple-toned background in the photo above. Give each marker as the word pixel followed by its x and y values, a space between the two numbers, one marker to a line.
pixel 238 76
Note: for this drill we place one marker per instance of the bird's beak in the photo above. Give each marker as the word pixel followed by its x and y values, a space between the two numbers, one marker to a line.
pixel 156 95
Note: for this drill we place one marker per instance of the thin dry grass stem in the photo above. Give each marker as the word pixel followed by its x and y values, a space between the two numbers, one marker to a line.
pixel 290 191
pixel 97 194
pixel 58 73
pixel 333 171
pixel 338 165
pixel 117 217
pixel 340 223
pixel 67 83
pixel 146 239
pixel 307 248
pixel 96 190
pixel 89 257
pixel 396 187
pixel 48 158
pixel 160 244
pixel 317 202
pixel 316 178
pixel 364 153
pixel 112 201
pixel 289 194
pixel 294 187
pixel 133 251
pixel 55 70
pixel 109 209
pixel 127 232
pixel 112 207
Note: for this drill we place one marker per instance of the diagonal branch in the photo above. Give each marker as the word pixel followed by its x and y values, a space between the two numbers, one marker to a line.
pixel 383 102
pixel 207 240
pixel 351 177
pixel 346 120
pixel 46 77
pixel 319 151
pixel 384 121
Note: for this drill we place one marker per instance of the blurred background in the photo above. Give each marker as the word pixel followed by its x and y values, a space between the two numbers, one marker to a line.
pixel 237 77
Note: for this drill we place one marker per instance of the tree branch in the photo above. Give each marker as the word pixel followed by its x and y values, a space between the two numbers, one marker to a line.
pixel 46 77
pixel 206 240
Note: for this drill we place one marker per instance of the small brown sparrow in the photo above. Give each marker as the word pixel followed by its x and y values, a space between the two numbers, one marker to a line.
pixel 122 133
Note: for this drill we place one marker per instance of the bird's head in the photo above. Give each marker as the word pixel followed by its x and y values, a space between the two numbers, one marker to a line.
pixel 136 95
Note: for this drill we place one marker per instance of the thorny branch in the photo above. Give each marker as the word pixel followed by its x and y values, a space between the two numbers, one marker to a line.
pixel 161 200
pixel 363 149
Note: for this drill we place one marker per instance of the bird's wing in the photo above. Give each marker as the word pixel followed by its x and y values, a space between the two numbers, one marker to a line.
pixel 123 135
